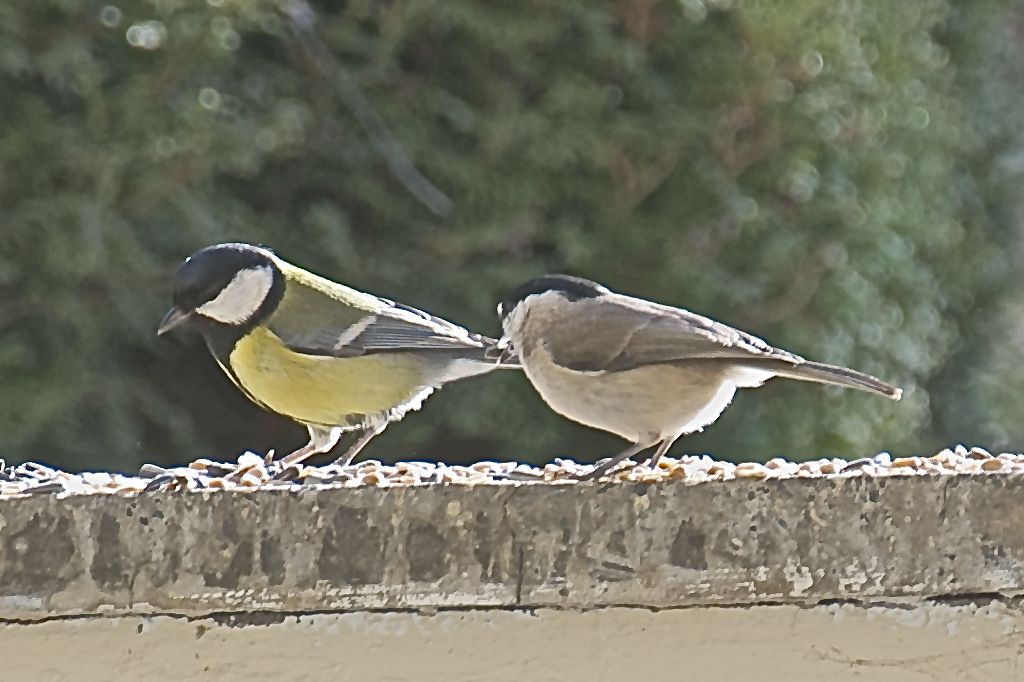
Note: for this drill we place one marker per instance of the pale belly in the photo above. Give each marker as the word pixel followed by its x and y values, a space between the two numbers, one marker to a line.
pixel 643 405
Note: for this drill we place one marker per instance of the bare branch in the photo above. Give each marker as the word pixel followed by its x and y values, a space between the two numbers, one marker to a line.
pixel 302 20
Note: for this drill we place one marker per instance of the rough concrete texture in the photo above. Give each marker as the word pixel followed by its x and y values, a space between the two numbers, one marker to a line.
pixel 740 543
pixel 796 644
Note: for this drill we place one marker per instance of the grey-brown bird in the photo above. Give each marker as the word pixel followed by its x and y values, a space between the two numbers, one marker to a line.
pixel 647 372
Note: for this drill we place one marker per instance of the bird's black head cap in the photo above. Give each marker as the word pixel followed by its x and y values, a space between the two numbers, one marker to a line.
pixel 205 273
pixel 573 288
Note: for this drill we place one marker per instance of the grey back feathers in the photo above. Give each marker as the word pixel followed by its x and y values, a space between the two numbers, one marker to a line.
pixel 346 332
pixel 588 328
pixel 645 333
pixel 232 287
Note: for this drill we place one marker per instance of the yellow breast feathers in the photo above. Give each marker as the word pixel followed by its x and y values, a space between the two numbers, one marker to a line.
pixel 321 390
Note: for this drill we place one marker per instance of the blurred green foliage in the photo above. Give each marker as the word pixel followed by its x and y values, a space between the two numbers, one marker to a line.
pixel 835 176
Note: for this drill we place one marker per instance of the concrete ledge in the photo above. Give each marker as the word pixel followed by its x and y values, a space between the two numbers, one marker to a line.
pixel 525 546
pixel 894 577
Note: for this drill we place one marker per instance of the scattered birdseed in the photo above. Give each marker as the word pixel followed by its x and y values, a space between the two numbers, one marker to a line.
pixel 252 471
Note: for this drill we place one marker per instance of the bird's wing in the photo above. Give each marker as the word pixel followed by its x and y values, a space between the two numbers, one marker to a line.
pixel 321 317
pixel 401 327
pixel 629 332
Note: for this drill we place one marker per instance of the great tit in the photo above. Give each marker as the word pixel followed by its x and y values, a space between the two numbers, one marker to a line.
pixel 320 353
pixel 644 371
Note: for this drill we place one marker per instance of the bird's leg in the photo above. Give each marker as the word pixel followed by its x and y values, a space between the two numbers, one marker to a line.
pixel 662 449
pixel 360 443
pixel 301 455
pixel 613 462
pixel 295 457
pixel 320 440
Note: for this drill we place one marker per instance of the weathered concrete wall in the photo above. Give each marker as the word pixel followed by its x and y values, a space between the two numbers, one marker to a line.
pixel 909 578
pixel 741 542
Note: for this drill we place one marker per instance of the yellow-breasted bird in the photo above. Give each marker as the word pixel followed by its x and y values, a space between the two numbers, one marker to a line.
pixel 327 356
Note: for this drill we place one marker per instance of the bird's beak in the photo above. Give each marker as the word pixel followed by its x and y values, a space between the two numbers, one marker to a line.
pixel 505 353
pixel 175 317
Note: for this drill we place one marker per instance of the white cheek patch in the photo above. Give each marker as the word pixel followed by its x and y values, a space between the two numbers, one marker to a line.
pixel 512 324
pixel 241 298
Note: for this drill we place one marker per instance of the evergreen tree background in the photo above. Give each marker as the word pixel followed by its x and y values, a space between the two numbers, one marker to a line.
pixel 839 177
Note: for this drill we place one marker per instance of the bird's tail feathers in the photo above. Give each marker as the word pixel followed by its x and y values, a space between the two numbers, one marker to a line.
pixel 838 376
